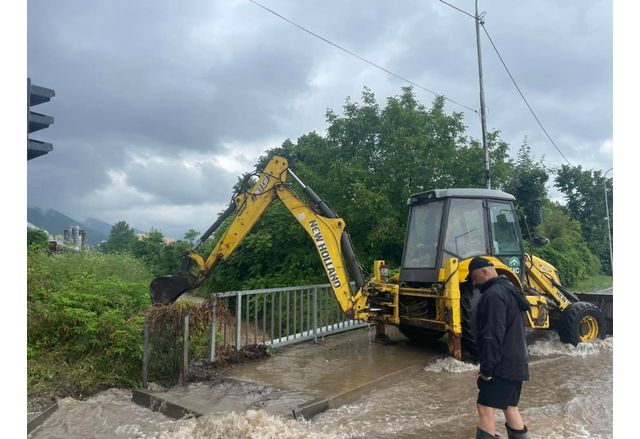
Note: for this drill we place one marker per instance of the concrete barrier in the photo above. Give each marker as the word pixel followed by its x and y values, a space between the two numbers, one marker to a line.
pixel 39 419
pixel 147 398
pixel 316 406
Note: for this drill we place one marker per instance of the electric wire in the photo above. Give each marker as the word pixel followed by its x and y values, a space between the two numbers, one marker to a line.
pixel 415 84
pixel 418 85
pixel 510 76
pixel 458 9
pixel 522 95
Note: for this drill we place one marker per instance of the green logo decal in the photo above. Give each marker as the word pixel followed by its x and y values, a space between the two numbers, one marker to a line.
pixel 514 264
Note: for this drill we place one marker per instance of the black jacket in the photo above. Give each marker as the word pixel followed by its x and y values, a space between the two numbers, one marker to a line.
pixel 499 330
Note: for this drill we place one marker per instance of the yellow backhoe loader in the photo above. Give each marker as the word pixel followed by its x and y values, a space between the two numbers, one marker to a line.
pixel 427 299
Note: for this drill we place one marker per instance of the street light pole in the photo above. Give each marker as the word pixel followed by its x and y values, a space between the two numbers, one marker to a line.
pixel 606 203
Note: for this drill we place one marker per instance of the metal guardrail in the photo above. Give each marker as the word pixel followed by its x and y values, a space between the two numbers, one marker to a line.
pixel 273 317
pixel 282 316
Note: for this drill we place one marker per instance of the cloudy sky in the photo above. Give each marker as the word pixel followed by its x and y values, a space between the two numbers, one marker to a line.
pixel 160 105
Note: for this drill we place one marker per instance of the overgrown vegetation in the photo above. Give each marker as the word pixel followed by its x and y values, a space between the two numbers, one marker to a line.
pixel 84 321
pixel 166 338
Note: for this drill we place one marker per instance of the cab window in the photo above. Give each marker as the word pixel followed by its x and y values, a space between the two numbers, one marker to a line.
pixel 465 235
pixel 422 235
pixel 503 228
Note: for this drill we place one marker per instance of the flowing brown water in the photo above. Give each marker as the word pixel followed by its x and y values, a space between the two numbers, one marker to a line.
pixel 569 396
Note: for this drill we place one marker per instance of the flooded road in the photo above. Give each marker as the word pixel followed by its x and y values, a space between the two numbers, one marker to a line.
pixel 569 396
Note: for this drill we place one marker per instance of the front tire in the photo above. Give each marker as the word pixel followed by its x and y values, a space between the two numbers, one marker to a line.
pixel 581 322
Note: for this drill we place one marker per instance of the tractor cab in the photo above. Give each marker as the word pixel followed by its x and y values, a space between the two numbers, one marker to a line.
pixel 460 223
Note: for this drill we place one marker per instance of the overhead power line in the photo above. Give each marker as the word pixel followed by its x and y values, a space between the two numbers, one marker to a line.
pixel 458 9
pixel 522 95
pixel 360 57
pixel 510 76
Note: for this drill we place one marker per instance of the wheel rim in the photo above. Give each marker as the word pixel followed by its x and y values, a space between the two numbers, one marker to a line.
pixel 588 328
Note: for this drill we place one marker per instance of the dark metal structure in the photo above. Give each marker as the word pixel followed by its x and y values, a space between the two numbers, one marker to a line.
pixel 37 95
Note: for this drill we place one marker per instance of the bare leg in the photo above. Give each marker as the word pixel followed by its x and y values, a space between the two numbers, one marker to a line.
pixel 514 420
pixel 487 419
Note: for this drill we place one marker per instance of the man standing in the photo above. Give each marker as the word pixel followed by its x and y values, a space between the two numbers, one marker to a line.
pixel 502 349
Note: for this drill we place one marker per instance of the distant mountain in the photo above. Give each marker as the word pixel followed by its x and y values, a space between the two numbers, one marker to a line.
pixel 55 223
pixel 100 226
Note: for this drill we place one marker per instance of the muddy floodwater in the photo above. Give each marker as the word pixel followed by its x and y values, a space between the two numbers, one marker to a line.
pixel 570 395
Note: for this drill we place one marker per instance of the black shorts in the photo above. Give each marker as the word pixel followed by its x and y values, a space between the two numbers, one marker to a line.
pixel 499 393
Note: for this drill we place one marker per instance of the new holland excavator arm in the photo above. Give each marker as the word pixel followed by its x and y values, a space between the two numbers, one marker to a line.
pixel 326 230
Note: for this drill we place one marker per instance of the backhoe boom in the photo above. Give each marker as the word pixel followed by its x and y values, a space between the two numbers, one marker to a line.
pixel 327 231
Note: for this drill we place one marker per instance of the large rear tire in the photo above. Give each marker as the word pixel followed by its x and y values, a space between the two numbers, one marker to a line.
pixel 468 302
pixel 581 322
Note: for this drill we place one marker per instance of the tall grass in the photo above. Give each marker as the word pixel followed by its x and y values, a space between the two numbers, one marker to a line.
pixel 85 320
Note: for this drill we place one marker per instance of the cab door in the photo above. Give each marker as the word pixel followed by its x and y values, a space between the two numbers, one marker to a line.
pixel 505 237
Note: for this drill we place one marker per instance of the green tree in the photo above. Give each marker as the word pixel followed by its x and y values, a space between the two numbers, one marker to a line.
pixel 191 235
pixel 37 238
pixel 584 192
pixel 371 159
pixel 527 183
pixel 162 258
pixel 121 238
pixel 567 249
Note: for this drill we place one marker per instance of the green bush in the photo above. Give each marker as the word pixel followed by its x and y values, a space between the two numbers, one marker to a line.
pixel 37 237
pixel 567 249
pixel 85 320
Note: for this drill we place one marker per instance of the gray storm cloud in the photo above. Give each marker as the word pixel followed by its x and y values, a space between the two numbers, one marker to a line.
pixel 168 79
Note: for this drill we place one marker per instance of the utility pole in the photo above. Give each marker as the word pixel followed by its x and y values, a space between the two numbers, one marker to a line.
pixel 606 204
pixel 483 116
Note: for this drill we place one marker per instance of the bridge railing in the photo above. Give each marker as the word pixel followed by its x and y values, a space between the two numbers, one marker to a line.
pixel 241 321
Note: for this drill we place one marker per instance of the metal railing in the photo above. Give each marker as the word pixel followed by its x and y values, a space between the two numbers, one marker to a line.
pixel 241 320
pixel 282 316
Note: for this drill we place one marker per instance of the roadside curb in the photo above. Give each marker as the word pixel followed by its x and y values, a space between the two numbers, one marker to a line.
pixel 176 407
pixel 39 420
pixel 157 402
pixel 150 400
pixel 316 406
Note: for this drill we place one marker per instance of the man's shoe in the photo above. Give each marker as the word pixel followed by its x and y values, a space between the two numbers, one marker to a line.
pixel 517 434
pixel 481 434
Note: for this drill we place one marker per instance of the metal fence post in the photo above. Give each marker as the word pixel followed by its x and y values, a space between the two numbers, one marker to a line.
pixel 264 319
pixel 315 313
pixel 185 350
pixel 145 355
pixel 214 328
pixel 287 315
pixel 238 319
pixel 256 302
pixel 295 314
pixel 246 329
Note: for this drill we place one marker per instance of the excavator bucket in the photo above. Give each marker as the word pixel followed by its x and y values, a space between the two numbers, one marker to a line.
pixel 167 289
